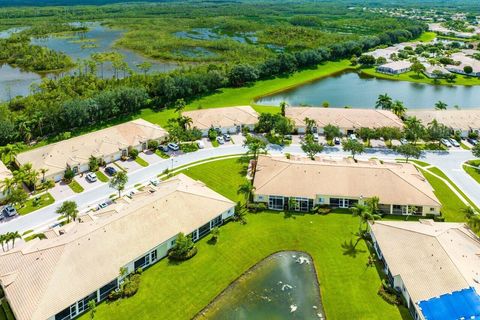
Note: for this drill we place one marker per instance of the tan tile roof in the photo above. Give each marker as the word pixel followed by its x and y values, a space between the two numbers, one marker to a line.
pixel 393 183
pixel 222 117
pixel 347 119
pixel 77 150
pixel 4 172
pixel 455 119
pixel 44 277
pixel 397 65
pixel 432 258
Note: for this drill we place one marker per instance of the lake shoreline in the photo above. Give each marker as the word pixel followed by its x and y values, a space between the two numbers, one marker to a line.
pixel 201 314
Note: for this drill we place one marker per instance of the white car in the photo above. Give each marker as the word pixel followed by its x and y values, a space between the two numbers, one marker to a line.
pixel 446 143
pixel 454 142
pixel 200 144
pixel 403 141
pixel 316 137
pixel 92 177
pixel 173 146
pixel 353 137
pixel 220 140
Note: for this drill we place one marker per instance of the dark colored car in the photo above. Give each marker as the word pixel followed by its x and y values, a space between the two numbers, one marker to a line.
pixel 472 141
pixel 110 171
pixel 164 148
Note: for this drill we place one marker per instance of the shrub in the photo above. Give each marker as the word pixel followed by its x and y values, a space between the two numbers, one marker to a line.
pixel 153 144
pixel 390 298
pixel 174 255
pixel 256 207
pixel 131 286
pixel 189 147
pixel 184 248
pixel 68 175
pixel 322 209
pixel 133 153
pixel 439 218
pixel 115 295
pixel 212 134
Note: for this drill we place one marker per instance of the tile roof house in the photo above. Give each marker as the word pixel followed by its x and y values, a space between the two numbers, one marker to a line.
pixel 464 121
pixel 56 278
pixel 227 120
pixel 430 264
pixel 348 120
pixel 395 67
pixel 109 144
pixel 342 183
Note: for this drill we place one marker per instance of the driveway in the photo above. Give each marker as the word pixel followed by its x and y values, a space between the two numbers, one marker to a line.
pixel 150 157
pixel 61 191
pixel 87 185
pixel 130 165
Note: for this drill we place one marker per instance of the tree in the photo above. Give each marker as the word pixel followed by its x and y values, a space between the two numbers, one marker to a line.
pixel 241 74
pixel 398 109
pixel 12 236
pixel 353 146
pixel 283 105
pixel 183 246
pixel 332 131
pixel 353 61
pixel 93 163
pixel 366 134
pixel 92 307
pixel 414 129
pixel 367 60
pixel 311 147
pixel 417 67
pixel 373 203
pixel 467 69
pixel 179 106
pixel 3 240
pixel 365 214
pixel 145 67
pixel 437 131
pixel 384 102
pixel 440 105
pixel 8 184
pixel 409 150
pixel 119 181
pixel 325 104
pixel 309 125
pixel 68 210
pixel 476 150
pixel 255 146
pixel 215 232
pixel 43 171
pixel 17 196
pixel 246 189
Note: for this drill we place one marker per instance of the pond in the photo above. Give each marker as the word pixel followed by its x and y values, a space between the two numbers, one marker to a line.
pixel 211 34
pixel 356 90
pixel 14 81
pixel 283 286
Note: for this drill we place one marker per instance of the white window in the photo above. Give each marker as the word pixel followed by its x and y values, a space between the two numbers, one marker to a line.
pixel 321 200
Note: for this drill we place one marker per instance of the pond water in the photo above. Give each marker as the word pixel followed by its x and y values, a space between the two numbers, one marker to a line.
pixel 14 81
pixel 283 286
pixel 355 90
pixel 211 34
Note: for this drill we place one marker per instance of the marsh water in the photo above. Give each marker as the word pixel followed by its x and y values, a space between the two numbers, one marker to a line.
pixel 358 91
pixel 283 286
pixel 80 45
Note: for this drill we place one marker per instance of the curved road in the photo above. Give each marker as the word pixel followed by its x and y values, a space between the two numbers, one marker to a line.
pixel 449 162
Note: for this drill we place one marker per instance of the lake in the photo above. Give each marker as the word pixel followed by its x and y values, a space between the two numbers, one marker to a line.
pixel 358 91
pixel 283 286
pixel 14 81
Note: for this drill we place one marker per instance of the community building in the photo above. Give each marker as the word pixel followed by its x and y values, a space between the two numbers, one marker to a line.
pixel 435 266
pixel 4 174
pixel 348 120
pixel 226 120
pixel 342 183
pixel 108 144
pixel 462 121
pixel 395 67
pixel 55 278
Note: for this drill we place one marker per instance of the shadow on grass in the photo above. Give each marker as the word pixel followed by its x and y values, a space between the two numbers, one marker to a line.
pixel 212 241
pixel 350 249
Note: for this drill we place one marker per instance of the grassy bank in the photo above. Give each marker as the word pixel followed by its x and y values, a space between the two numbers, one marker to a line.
pixel 413 77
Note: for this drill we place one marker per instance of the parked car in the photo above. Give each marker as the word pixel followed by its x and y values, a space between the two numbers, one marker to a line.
pixel 9 211
pixel 220 140
pixel 154 182
pixel 92 177
pixel 173 146
pixel 102 205
pixel 226 137
pixel 446 143
pixel 316 137
pixel 287 137
pixel 163 147
pixel 110 171
pixel 336 141
pixel 352 137
pixel 200 144
pixel 454 142
pixel 472 141
pixel 403 141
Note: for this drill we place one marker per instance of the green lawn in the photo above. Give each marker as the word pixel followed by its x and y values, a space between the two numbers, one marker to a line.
pixel 32 204
pixel 75 186
pixel 141 162
pixel 413 77
pixel 101 176
pixel 427 37
pixel 161 154
pixel 175 291
pixel 420 163
pixel 473 172
pixel 464 146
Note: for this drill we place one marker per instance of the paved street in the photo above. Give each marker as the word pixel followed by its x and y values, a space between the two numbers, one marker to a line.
pixel 450 163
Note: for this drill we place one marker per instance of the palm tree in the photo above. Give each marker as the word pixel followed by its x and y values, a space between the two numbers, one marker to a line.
pixel 68 210
pixel 384 102
pixel 283 106
pixel 365 214
pixel 246 189
pixel 3 239
pixel 13 236
pixel 440 105
pixel 469 212
pixel 8 184
pixel 373 203
pixel 43 171
pixel 184 122
pixel 9 152
pixel 399 109
pixel 309 124
pixel 179 105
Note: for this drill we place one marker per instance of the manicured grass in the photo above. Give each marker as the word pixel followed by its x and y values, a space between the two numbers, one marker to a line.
pixel 179 291
pixel 161 154
pixel 215 143
pixel 32 204
pixel 101 176
pixel 427 37
pixel 75 186
pixel 119 167
pixel 141 162
pixel 474 162
pixel 452 206
pixel 473 172
pixel 420 163
pixel 413 77
pixel 464 146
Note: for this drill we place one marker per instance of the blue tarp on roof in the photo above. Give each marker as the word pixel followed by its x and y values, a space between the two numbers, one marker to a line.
pixel 463 304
